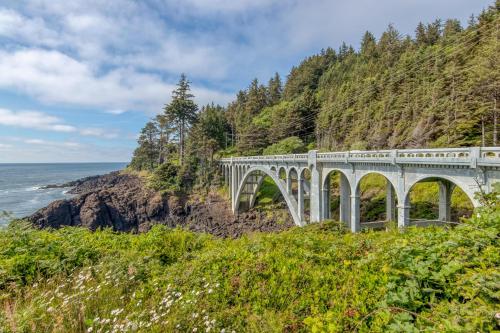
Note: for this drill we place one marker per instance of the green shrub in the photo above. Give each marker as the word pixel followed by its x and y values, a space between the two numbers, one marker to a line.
pixel 314 279
pixel 291 145
pixel 165 177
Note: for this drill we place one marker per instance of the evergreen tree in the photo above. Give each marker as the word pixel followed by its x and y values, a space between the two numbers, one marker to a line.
pixel 451 29
pixel 182 111
pixel 275 89
pixel 165 129
pixel 433 32
pixel 421 34
pixel 146 155
pixel 368 45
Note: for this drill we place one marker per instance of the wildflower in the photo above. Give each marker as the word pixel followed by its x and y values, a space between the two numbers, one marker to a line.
pixel 89 329
pixel 195 329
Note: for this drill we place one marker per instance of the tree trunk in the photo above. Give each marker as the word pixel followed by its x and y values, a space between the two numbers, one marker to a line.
pixel 482 132
pixel 495 122
pixel 181 142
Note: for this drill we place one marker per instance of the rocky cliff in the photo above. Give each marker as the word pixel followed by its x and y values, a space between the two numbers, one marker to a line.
pixel 122 202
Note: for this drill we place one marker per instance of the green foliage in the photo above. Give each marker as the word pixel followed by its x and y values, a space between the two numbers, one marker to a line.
pixel 317 279
pixel 182 112
pixel 268 194
pixel 147 154
pixel 439 89
pixel 165 177
pixel 291 145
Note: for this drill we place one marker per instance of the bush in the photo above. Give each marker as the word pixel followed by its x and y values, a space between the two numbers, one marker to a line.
pixel 315 279
pixel 291 145
pixel 165 177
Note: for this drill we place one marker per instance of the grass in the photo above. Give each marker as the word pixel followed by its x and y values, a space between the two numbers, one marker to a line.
pixel 316 279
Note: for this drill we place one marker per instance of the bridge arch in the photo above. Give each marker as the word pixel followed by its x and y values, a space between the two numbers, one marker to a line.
pixel 292 181
pixel 447 185
pixel 468 189
pixel 292 170
pixel 383 181
pixel 282 173
pixel 344 195
pixel 263 171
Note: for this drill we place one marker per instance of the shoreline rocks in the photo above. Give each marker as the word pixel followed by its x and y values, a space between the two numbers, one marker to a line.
pixel 123 202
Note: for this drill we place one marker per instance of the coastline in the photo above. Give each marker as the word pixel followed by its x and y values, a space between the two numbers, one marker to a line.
pixel 24 187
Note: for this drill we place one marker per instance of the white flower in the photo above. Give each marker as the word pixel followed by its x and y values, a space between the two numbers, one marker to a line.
pixel 89 329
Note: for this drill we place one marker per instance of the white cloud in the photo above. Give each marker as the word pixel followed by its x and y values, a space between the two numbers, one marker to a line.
pixel 35 31
pixel 35 120
pixel 40 150
pixel 224 6
pixel 54 77
pixel 99 132
pixel 42 121
pixel 116 112
pixel 47 143
pixel 35 141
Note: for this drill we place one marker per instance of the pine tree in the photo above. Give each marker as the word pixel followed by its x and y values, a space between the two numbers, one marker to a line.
pixel 433 32
pixel 275 89
pixel 421 34
pixel 368 45
pixel 146 155
pixel 165 129
pixel 182 110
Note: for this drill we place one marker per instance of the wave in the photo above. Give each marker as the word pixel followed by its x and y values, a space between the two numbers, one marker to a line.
pixel 32 188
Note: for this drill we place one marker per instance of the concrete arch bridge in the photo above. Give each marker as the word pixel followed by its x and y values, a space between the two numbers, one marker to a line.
pixel 471 169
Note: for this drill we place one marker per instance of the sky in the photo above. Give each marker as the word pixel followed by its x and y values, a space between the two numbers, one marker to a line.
pixel 79 78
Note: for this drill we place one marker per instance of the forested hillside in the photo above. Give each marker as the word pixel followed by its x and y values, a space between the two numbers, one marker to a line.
pixel 437 88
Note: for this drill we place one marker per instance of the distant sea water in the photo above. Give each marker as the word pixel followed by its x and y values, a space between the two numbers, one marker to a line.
pixel 20 192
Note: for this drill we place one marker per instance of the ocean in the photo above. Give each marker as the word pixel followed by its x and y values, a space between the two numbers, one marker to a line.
pixel 20 192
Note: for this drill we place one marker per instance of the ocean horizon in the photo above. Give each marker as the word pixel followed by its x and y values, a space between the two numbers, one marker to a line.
pixel 20 183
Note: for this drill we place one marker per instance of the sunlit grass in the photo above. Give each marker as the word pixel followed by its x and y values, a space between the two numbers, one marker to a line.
pixel 317 278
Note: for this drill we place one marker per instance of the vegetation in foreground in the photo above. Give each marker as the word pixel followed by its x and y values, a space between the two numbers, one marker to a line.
pixel 317 278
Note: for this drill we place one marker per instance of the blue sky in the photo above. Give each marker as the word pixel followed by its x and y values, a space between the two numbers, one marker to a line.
pixel 79 78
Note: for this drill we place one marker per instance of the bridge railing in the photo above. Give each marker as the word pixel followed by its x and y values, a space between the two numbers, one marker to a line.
pixel 459 156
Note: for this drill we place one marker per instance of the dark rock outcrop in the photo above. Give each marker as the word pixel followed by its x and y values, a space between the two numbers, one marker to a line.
pixel 115 200
pixel 123 202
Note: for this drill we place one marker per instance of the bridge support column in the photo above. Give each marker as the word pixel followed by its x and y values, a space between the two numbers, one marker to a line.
pixel 234 187
pixel 403 216
pixel 390 202
pixel 289 184
pixel 300 199
pixel 345 200
pixel 315 191
pixel 355 213
pixel 326 200
pixel 445 190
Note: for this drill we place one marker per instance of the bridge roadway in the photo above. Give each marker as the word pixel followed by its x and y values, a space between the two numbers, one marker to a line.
pixel 472 169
